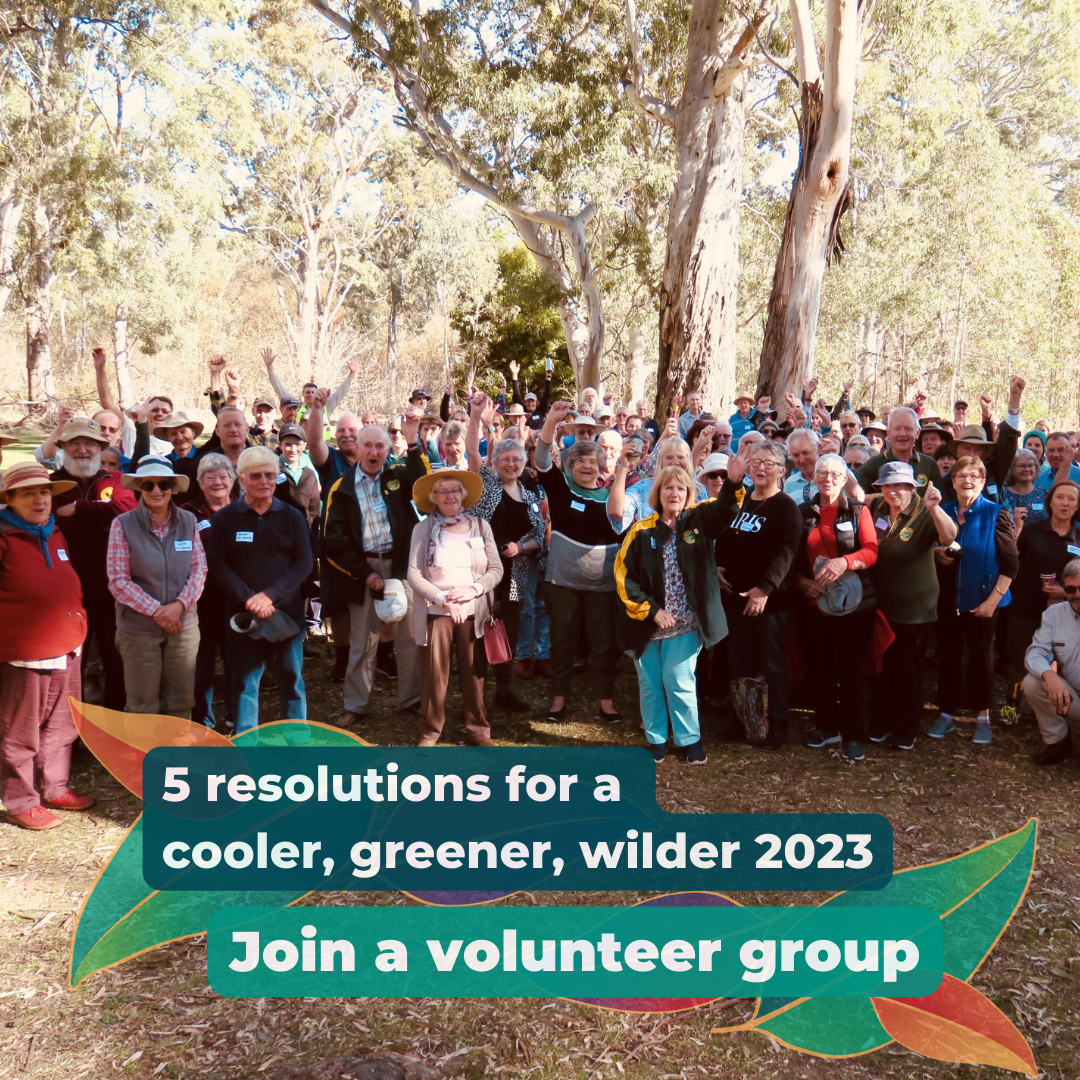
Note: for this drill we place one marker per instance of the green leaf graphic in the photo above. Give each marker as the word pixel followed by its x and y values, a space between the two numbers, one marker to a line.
pixel 975 894
pixel 122 918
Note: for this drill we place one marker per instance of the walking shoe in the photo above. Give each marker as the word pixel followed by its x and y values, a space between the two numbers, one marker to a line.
pixel 555 716
pixel 346 719
pixel 385 660
pixel 37 819
pixel 853 751
pixel 428 740
pixel 543 669
pixel 68 800
pixel 883 737
pixel 983 735
pixel 509 701
pixel 941 727
pixel 525 668
pixel 482 741
pixel 695 754
pixel 901 742
pixel 610 717
pixel 658 751
pixel 817 739
pixel 1055 753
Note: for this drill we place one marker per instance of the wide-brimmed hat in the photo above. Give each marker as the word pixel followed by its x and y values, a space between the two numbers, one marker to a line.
pixel 875 425
pixel 604 410
pixel 929 415
pixel 742 397
pixel 515 410
pixel 177 420
pixel 866 411
pixel 474 488
pixel 82 427
pixel 842 596
pixel 714 463
pixel 896 472
pixel 973 434
pixel 583 421
pixel 30 474
pixel 153 468
pixel 7 440
pixel 932 428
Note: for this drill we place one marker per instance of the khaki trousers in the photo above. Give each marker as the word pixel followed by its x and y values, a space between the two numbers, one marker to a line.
pixel 1053 727
pixel 159 672
pixel 443 636
pixel 364 628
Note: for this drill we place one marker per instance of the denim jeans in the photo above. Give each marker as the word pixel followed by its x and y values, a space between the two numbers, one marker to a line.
pixel 247 659
pixel 668 689
pixel 534 641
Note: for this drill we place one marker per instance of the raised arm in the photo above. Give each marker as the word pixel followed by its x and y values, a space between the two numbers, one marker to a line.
pixel 946 527
pixel 338 396
pixel 48 450
pixel 314 423
pixel 279 387
pixel 105 394
pixel 616 500
pixel 472 432
pixel 555 416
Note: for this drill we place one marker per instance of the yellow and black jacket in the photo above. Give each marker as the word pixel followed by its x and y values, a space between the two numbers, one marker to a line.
pixel 639 573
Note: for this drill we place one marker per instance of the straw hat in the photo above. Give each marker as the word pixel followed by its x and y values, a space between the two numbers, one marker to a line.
pixel 177 420
pixel 153 468
pixel 82 427
pixel 31 474
pixel 515 410
pixel 743 397
pixel 470 481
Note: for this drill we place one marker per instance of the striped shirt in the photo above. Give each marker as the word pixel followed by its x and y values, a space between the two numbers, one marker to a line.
pixel 374 518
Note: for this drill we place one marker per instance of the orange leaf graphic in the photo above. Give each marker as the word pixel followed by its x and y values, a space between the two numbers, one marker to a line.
pixel 956 1023
pixel 120 740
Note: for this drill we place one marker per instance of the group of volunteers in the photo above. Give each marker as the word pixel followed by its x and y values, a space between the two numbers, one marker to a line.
pixel 736 561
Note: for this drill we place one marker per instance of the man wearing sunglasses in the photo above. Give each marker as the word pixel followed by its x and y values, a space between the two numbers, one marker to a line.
pixel 1054 696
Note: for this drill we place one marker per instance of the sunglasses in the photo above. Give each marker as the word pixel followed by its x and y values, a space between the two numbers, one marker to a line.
pixel 153 485
pixel 716 476
pixel 1070 590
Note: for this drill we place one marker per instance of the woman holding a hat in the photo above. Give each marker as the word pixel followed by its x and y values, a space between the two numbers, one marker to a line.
pixel 157 569
pixel 839 545
pixel 42 634
pixel 972 589
pixel 909 527
pixel 454 567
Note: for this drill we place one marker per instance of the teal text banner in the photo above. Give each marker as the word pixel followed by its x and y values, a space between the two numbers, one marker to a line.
pixel 473 819
pixel 580 952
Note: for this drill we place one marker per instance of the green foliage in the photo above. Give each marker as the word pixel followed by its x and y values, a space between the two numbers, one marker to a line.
pixel 518 320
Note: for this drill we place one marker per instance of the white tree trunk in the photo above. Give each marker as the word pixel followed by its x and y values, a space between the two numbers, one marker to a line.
pixel 11 212
pixel 819 197
pixel 699 293
pixel 124 393
pixel 40 384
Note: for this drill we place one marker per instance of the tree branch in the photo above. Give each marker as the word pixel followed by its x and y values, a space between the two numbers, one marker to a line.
pixel 737 61
pixel 635 90
pixel 805 46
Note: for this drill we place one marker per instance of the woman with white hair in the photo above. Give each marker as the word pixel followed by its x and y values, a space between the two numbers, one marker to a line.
pixel 157 569
pixel 515 514
pixel 839 545
pixel 260 556
pixel 625 506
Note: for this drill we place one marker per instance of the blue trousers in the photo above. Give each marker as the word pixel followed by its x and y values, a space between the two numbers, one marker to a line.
pixel 668 688
pixel 534 628
pixel 247 659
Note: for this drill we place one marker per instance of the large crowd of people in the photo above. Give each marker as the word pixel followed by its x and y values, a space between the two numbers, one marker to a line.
pixel 818 552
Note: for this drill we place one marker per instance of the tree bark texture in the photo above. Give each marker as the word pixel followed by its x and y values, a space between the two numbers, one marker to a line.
pixel 40 384
pixel 11 212
pixel 699 292
pixel 125 396
pixel 820 195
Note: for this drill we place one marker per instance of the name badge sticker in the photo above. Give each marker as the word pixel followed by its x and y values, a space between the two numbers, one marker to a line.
pixel 1038 507
pixel 881 523
pixel 476 541
pixel 845 526
pixel 245 538
pixel 62 555
pixel 575 505
pixel 281 478
pixel 204 525
pixel 182 545
pixel 1072 549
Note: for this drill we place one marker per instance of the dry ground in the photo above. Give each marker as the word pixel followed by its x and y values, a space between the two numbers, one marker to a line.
pixel 156 1016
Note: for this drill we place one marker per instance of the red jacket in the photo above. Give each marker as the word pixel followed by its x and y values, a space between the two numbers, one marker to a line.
pixel 42 605
pixel 97 501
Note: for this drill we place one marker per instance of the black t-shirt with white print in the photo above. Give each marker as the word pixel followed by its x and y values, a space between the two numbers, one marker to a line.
pixel 758 548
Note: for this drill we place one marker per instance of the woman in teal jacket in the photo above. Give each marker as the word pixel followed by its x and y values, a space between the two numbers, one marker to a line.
pixel 666 577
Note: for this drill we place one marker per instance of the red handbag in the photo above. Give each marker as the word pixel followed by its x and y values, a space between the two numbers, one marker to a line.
pixel 497 643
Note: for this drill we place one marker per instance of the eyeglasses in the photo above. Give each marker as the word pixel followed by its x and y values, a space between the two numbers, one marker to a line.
pixel 830 475
pixel 153 485
pixel 447 492
pixel 848 427
pixel 968 476
pixel 758 463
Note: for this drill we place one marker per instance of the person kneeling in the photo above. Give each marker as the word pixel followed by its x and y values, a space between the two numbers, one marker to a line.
pixel 1055 696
